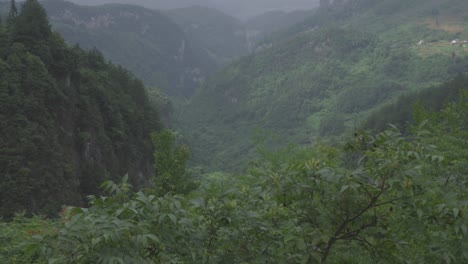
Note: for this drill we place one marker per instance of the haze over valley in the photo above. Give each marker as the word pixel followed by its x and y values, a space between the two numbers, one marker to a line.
pixel 243 9
pixel 219 131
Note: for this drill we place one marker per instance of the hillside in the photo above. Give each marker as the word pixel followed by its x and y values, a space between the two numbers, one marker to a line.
pixel 225 38
pixel 69 119
pixel 222 37
pixel 263 25
pixel 407 107
pixel 144 41
pixel 323 77
pixel 174 50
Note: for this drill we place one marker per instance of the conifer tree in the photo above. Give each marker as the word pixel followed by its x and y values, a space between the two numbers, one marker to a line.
pixel 32 29
pixel 32 23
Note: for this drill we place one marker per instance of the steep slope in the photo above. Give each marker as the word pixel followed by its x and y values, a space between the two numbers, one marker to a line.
pixel 324 79
pixel 145 41
pixel 267 23
pixel 401 112
pixel 221 36
pixel 69 120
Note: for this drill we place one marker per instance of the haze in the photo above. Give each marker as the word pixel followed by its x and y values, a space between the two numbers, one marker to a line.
pixel 239 8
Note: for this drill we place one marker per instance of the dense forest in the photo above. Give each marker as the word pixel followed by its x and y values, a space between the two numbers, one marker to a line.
pixel 69 119
pixel 323 77
pixel 340 139
pixel 379 198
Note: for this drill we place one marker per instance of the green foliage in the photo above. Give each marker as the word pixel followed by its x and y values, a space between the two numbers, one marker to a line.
pixel 16 234
pixel 68 117
pixel 385 198
pixel 170 162
pixel 400 112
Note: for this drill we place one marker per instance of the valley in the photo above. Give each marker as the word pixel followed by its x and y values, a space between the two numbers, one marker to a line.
pixel 211 132
pixel 320 83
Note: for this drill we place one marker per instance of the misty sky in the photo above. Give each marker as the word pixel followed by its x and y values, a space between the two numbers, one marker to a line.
pixel 238 8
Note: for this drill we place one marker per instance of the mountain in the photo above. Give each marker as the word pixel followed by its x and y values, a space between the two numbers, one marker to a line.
pixel 270 22
pixel 173 50
pixel 225 38
pixel 69 119
pixel 323 76
pixel 146 42
pixel 243 9
pixel 154 4
pixel 222 37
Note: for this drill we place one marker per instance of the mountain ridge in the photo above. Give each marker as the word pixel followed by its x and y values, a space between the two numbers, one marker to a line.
pixel 145 41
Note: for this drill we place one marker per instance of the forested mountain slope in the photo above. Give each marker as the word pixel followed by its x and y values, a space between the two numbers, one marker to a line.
pixel 407 107
pixel 175 49
pixel 145 41
pixel 221 36
pixel 69 119
pixel 323 77
pixel 261 26
pixel 226 38
pixel 385 198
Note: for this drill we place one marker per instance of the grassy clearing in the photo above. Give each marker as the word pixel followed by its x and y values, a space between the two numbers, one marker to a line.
pixel 440 47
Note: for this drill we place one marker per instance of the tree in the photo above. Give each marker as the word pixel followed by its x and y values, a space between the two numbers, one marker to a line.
pixel 32 29
pixel 170 161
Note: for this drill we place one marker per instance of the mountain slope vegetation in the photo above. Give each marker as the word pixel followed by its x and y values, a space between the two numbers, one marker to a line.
pixel 222 37
pixel 145 41
pixel 323 80
pixel 263 25
pixel 69 119
pixel 385 197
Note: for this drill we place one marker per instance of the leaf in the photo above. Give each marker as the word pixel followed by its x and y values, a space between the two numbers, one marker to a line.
pixel 423 124
pixel 456 211
pixel 199 202
pixel 300 244
pixel 394 127
pixel 153 238
pixel 344 188
pixel 177 204
pixel 464 229
pixel 173 218
pixel 419 212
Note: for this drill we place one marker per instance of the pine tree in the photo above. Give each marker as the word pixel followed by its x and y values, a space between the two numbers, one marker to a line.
pixel 32 24
pixel 32 29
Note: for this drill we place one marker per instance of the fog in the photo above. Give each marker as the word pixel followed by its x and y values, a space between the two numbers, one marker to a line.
pixel 239 8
